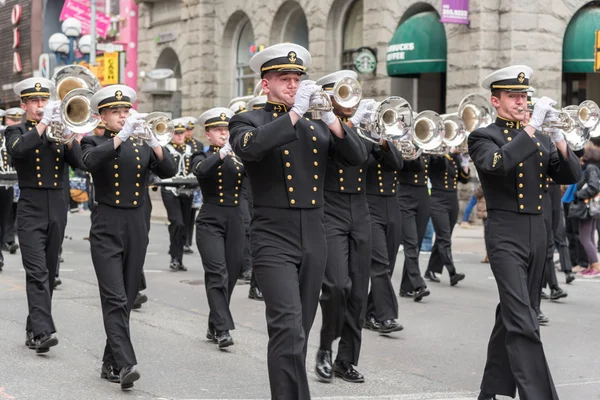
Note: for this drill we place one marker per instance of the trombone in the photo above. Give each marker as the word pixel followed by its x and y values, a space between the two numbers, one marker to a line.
pixel 74 87
pixel 347 92
pixel 158 125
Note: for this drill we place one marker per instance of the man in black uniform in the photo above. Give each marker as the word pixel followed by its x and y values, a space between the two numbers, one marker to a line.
pixel 6 192
pixel 119 236
pixel 512 162
pixel 13 117
pixel 413 199
pixel 196 146
pixel 41 217
pixel 220 225
pixel 446 171
pixel 178 202
pixel 348 231
pixel 286 157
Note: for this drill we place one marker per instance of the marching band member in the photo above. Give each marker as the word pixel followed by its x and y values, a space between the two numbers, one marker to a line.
pixel 119 232
pixel 6 192
pixel 348 230
pixel 512 162
pixel 413 199
pixel 220 224
pixel 446 171
pixel 41 219
pixel 178 203
pixel 196 146
pixel 286 155
pixel 13 116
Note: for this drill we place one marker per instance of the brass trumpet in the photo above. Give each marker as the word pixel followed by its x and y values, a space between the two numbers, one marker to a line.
pixel 347 92
pixel 158 125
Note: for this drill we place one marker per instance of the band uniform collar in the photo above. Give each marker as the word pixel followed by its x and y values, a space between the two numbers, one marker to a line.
pixel 110 134
pixel 30 123
pixel 214 149
pixel 179 147
pixel 343 119
pixel 277 107
pixel 506 123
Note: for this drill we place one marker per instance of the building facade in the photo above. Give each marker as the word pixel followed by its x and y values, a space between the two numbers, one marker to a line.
pixel 207 45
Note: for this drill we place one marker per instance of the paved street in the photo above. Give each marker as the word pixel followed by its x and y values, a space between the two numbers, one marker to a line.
pixel 439 355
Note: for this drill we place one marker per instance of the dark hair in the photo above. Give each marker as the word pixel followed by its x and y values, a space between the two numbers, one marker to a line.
pixel 591 155
pixel 497 93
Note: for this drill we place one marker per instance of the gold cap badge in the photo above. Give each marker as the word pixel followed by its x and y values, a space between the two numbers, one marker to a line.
pixel 38 87
pixel 119 95
pixel 521 77
pixel 292 57
pixel 223 116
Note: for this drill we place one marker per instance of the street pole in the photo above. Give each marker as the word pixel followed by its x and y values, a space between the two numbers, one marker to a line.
pixel 93 32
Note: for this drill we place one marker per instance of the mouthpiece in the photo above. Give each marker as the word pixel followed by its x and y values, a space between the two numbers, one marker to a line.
pixel 40 111
pixel 520 109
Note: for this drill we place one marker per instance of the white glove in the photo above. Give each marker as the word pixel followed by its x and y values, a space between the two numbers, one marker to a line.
pixel 556 134
pixel 303 97
pixel 49 109
pixel 152 142
pixel 132 123
pixel 225 150
pixel 464 160
pixel 56 117
pixel 328 117
pixel 540 111
pixel 363 108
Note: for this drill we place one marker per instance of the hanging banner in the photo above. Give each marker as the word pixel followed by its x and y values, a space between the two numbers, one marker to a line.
pixel 597 53
pixel 455 12
pixel 80 10
pixel 111 68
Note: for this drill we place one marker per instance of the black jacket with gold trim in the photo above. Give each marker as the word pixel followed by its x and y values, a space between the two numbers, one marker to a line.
pixel 197 145
pixel 39 162
pixel 120 175
pixel 446 172
pixel 382 170
pixel 415 172
pixel 512 166
pixel 286 164
pixel 220 179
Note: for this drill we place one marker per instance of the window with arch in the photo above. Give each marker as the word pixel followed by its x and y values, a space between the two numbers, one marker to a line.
pixel 244 77
pixel 352 35
pixel 296 28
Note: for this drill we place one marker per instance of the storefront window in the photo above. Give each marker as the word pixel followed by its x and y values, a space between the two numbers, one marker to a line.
pixel 353 34
pixel 244 75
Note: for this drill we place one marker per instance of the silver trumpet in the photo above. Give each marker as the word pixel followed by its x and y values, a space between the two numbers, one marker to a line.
pixel 586 115
pixel 390 120
pixel 429 133
pixel 476 111
pixel 158 125
pixel 347 92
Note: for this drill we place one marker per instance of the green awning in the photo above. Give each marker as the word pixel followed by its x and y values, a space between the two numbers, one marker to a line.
pixel 580 41
pixel 418 46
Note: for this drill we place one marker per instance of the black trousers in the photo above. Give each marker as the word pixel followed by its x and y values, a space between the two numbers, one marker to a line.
pixel 11 232
pixel 246 208
pixel 346 283
pixel 6 202
pixel 559 235
pixel 415 209
pixel 220 237
pixel 551 221
pixel 576 250
pixel 515 357
pixel 289 252
pixel 179 209
pixel 118 239
pixel 190 223
pixel 41 223
pixel 444 214
pixel 385 233
pixel 148 217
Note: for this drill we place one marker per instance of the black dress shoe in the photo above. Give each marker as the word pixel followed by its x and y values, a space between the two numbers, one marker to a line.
pixel 109 373
pixel 44 341
pixel 5 247
pixel 255 294
pixel 13 247
pixel 346 371
pixel 420 293
pixel 224 339
pixel 211 335
pixel 457 277
pixel 187 250
pixel 29 340
pixel 371 324
pixel 57 282
pixel 569 277
pixel 174 265
pixel 389 326
pixel 542 319
pixel 182 267
pixel 246 276
pixel 406 294
pixel 1 265
pixel 324 367
pixel 544 295
pixel 127 376
pixel 430 276
pixel 483 396
pixel 557 294
pixel 140 299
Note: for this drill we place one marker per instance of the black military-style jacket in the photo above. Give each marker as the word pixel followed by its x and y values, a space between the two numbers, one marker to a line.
pixel 39 162
pixel 196 144
pixel 446 172
pixel 415 172
pixel 178 151
pixel 512 166
pixel 286 164
pixel 220 179
pixel 382 170
pixel 5 158
pixel 120 174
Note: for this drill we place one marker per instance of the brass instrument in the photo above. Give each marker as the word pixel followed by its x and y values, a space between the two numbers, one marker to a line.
pixel 390 120
pixel 75 110
pixel 476 112
pixel 428 133
pixel 586 115
pixel 347 92
pixel 156 124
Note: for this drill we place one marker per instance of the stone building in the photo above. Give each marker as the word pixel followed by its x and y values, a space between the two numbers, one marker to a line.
pixel 207 45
